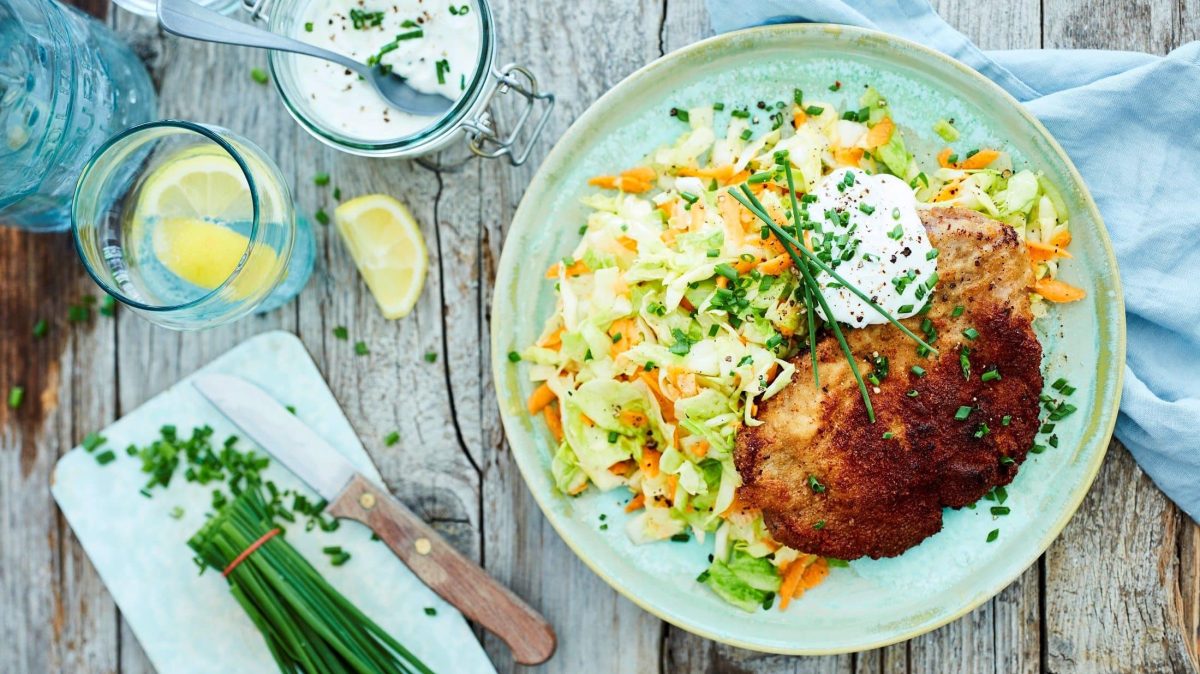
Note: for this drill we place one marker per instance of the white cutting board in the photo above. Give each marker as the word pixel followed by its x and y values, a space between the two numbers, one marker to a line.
pixel 189 623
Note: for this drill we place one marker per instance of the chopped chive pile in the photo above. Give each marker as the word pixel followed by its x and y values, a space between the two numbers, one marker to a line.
pixel 258 75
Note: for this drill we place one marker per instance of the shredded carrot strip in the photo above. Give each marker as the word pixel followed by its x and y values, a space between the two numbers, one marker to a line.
pixel 731 216
pixel 1061 238
pixel 578 489
pixel 554 421
pixel 666 207
pixel 813 575
pixel 541 397
pixel 635 503
pixel 649 462
pixel 643 173
pixel 632 418
pixel 776 265
pixel 1041 252
pixel 950 191
pixel 722 282
pixel 849 156
pixel 577 267
pixel 798 117
pixel 976 161
pixel 1058 291
pixel 634 180
pixel 744 266
pixel 672 485
pixel 587 421
pixel 687 304
pixel 881 133
pixel 736 178
pixel 791 580
pixel 700 449
pixel 979 160
pixel 622 467
pixel 668 407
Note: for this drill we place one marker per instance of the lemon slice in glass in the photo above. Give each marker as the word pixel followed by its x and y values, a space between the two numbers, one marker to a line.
pixel 387 247
pixel 205 254
pixel 198 181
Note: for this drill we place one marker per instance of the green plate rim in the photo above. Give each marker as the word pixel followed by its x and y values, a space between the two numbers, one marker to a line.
pixel 1102 430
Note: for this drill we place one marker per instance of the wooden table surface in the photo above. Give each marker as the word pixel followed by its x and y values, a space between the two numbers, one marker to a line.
pixel 1118 591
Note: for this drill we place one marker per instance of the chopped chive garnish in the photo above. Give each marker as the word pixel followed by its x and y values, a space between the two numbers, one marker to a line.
pixel 40 329
pixel 290 408
pixel 16 395
pixel 431 357
pixel 971 333
pixel 912 393
pixel 743 114
pixel 443 67
pixel 92 440
pixel 321 216
pixel 1052 441
pixel 999 511
pixel 718 106
pixel 680 114
pixel 896 233
pixel 887 435
pixel 815 485
pixel 958 311
pixel 982 430
pixel 321 179
pixel 106 457
pixel 176 513
pixel 391 438
pixel 993 535
pixel 962 413
pixel 337 193
pixel 760 177
pixel 78 313
pixel 933 253
pixel 514 357
pixel 681 538
pixel 965 362
pixel 688 197
pixel 990 375
pixel 813 110
pixel 258 75
pixel 918 370
pixel 308 26
pixel 613 436
pixel 1058 384
pixel 819 525
pixel 361 349
pixel 747 134
pixel 1006 420
pixel 341 332
pixel 906 308
pixel 865 208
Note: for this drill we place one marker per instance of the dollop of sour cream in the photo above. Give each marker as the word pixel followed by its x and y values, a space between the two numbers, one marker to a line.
pixel 432 43
pixel 870 227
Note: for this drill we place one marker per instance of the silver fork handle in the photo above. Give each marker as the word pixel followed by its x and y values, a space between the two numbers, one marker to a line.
pixel 187 19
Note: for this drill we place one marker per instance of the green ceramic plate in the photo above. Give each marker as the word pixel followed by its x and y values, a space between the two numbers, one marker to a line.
pixel 871 603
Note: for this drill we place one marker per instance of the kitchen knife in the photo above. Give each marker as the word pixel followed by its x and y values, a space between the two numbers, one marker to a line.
pixel 457 579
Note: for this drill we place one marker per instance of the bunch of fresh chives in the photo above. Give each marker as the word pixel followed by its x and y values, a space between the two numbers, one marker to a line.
pixel 808 269
pixel 308 625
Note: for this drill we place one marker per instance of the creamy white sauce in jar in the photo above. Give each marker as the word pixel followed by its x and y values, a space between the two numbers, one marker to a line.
pixel 875 235
pixel 432 43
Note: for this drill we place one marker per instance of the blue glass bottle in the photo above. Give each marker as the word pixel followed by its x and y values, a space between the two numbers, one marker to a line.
pixel 66 84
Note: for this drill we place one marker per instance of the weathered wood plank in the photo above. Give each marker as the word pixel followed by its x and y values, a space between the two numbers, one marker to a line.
pixel 578 51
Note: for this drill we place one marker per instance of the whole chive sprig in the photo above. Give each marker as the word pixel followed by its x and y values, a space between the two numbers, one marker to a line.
pixel 808 289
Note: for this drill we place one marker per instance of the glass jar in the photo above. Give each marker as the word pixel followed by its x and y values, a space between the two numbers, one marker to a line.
pixel 470 120
pixel 66 84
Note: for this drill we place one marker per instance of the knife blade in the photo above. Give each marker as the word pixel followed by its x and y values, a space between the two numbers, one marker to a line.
pixel 458 580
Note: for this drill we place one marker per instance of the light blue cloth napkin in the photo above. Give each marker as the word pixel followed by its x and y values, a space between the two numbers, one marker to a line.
pixel 1131 124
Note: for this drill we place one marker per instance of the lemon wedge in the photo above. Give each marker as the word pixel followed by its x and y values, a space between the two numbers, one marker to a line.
pixel 386 244
pixel 197 181
pixel 205 254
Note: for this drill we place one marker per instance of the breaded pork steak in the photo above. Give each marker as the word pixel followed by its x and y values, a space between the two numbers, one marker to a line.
pixel 833 484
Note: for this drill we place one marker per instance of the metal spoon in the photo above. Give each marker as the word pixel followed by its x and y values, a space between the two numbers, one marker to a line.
pixel 187 19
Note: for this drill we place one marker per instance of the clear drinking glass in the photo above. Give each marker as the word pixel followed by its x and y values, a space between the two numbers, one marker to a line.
pixel 66 84
pixel 190 225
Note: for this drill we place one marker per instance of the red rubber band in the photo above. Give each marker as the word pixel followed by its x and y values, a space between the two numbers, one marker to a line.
pixel 246 553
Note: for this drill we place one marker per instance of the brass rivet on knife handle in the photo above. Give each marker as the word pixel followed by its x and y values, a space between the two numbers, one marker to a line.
pixel 455 578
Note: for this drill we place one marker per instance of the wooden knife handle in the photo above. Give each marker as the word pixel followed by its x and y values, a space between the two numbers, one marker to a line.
pixel 457 579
